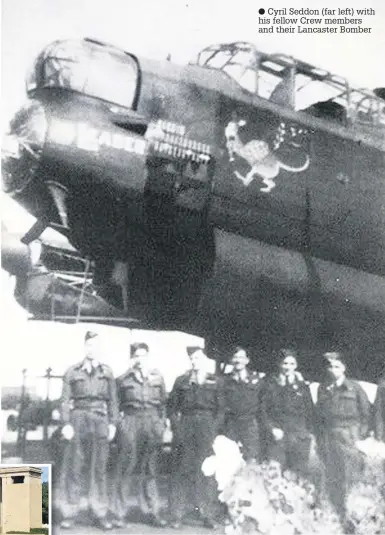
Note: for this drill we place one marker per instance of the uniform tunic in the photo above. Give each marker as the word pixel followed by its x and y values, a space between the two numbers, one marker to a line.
pixel 196 410
pixel 139 438
pixel 89 404
pixel 287 406
pixel 342 418
pixel 241 398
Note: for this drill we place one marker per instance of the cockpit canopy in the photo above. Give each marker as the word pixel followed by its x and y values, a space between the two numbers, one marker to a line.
pixel 294 84
pixel 87 67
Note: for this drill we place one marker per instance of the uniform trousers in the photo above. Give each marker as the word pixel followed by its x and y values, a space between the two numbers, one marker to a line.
pixel 83 477
pixel 245 429
pixel 193 441
pixel 139 438
pixel 343 463
pixel 292 451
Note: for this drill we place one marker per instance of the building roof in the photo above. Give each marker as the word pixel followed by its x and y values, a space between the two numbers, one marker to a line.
pixel 33 471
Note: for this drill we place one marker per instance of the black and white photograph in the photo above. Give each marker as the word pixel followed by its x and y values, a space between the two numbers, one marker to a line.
pixel 193 264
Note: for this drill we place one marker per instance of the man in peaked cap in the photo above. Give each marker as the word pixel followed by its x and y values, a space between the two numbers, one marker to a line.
pixel 342 417
pixel 195 409
pixel 142 399
pixel 89 411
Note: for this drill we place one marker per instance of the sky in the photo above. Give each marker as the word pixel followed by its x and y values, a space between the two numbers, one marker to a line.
pixel 156 28
pixel 45 474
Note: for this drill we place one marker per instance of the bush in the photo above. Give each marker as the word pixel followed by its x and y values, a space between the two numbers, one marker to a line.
pixel 45 503
pixel 262 499
pixel 366 501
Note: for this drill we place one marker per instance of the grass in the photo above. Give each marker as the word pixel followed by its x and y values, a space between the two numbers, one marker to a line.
pixel 34 530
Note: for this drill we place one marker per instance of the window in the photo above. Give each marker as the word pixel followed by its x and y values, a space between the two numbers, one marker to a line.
pixel 17 479
pixel 268 76
pixel 92 69
pixel 309 91
pixel 236 59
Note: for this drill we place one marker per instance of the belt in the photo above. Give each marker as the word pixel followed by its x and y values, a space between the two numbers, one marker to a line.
pixel 140 409
pixel 99 405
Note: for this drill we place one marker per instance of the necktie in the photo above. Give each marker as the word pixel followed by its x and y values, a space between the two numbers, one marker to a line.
pixel 194 377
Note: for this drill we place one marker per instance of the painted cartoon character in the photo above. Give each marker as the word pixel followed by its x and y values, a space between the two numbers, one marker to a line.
pixel 263 160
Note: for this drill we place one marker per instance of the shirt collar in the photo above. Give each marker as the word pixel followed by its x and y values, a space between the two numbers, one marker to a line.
pixel 283 380
pixel 341 381
pixel 89 365
pixel 136 374
pixel 197 376
pixel 242 375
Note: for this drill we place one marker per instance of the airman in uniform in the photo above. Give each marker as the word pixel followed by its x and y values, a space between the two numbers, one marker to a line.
pixel 287 415
pixel 195 409
pixel 241 398
pixel 343 412
pixel 89 411
pixel 142 398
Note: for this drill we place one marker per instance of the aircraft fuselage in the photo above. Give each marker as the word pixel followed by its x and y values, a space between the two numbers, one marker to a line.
pixel 235 218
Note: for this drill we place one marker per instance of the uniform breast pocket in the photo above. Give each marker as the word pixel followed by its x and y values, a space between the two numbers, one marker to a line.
pixel 103 387
pixel 208 391
pixel 188 393
pixel 348 403
pixel 129 393
pixel 156 391
pixel 78 387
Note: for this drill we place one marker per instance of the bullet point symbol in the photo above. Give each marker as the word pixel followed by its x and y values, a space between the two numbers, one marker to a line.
pixel 261 11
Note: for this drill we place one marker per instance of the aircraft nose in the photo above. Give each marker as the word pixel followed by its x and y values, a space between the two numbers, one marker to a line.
pixel 22 147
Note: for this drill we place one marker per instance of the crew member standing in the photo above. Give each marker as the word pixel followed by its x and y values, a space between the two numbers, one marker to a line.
pixel 89 414
pixel 195 408
pixel 241 398
pixel 142 397
pixel 287 415
pixel 343 412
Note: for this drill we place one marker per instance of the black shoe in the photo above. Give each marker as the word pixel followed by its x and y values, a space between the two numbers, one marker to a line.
pixel 104 524
pixel 157 521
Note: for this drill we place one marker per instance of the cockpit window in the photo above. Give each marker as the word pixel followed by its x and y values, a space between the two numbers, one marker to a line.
pixel 295 84
pixel 244 76
pixel 367 108
pixel 258 74
pixel 309 91
pixel 88 68
pixel 269 76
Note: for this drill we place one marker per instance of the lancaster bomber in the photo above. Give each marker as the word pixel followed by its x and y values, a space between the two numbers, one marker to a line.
pixel 240 197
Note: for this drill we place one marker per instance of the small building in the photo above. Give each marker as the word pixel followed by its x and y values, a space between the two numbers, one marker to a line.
pixel 20 498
